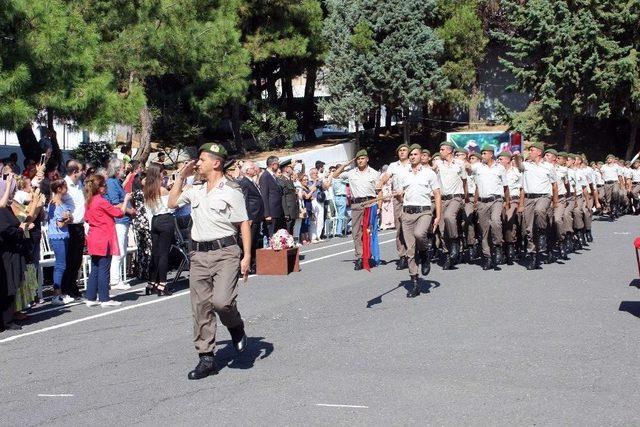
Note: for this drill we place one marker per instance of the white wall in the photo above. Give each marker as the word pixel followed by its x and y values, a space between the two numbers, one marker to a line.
pixel 332 155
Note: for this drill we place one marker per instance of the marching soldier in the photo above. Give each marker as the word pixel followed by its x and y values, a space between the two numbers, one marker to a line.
pixel 540 190
pixel 218 211
pixel 612 178
pixel 395 171
pixel 363 182
pixel 493 197
pixel 453 182
pixel 470 207
pixel 512 214
pixel 556 214
pixel 417 186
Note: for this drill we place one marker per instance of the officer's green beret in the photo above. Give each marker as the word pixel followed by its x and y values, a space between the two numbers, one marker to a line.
pixel 448 144
pixel 436 154
pixel 403 145
pixel 536 144
pixel 488 147
pixel 425 151
pixel 285 163
pixel 461 150
pixel 362 153
pixel 415 147
pixel 610 155
pixel 563 154
pixel 474 154
pixel 215 149
pixel 551 151
pixel 505 154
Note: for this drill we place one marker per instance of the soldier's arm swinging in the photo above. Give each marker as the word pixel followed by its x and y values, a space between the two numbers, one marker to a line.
pixel 438 202
pixel 245 263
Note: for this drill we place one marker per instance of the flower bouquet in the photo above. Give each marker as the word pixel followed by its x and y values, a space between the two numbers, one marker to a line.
pixel 281 239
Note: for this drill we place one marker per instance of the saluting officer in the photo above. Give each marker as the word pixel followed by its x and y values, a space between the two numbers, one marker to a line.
pixel 540 190
pixel 493 197
pixel 417 186
pixel 363 182
pixel 395 170
pixel 218 211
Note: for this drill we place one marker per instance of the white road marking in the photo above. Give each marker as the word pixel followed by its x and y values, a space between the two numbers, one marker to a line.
pixel 142 304
pixel 331 405
pixel 619 233
pixel 55 395
pixel 338 244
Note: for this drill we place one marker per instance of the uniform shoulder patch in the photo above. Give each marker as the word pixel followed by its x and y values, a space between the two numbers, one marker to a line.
pixel 233 184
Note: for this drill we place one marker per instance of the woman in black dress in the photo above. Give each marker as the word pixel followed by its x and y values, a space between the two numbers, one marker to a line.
pixel 142 229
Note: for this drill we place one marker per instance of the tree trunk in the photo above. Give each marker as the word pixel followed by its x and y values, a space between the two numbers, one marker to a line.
pixel 634 121
pixel 474 111
pixel 29 143
pixel 406 125
pixel 309 107
pixel 357 136
pixel 376 130
pixel 287 94
pixel 387 118
pixel 568 136
pixel 146 124
pixel 56 153
pixel 235 126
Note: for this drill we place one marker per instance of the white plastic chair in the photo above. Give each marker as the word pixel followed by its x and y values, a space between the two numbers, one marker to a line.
pixel 47 258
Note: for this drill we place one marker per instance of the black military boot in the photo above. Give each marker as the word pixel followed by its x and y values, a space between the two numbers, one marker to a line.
pixel 357 265
pixel 448 264
pixel 455 251
pixel 425 262
pixel 499 256
pixel 487 263
pixel 403 263
pixel 583 238
pixel 238 337
pixel 511 253
pixel 206 366
pixel 532 261
pixel 589 236
pixel 562 248
pixel 475 250
pixel 415 287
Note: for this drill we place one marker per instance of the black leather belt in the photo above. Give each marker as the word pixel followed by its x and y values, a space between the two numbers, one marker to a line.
pixel 361 199
pixel 514 197
pixel 490 199
pixel 214 245
pixel 563 196
pixel 340 195
pixel 633 182
pixel 535 196
pixel 599 185
pixel 451 196
pixel 610 182
pixel 416 209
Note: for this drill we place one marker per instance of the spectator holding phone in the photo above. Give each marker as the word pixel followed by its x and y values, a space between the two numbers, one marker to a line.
pixel 59 214
pixel 102 240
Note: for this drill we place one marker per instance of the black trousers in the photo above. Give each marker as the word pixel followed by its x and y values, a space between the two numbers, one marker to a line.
pixel 69 285
pixel 272 226
pixel 256 239
pixel 162 232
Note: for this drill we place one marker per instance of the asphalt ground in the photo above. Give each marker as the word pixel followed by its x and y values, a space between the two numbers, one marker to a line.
pixel 328 345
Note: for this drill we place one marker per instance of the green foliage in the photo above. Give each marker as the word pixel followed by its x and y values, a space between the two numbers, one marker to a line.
pixel 96 152
pixel 530 122
pixel 269 128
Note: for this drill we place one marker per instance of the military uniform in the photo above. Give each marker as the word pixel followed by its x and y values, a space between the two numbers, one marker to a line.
pixel 610 175
pixel 395 171
pixel 215 263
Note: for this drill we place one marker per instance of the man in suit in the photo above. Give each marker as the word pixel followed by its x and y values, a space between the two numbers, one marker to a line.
pixel 272 197
pixel 290 202
pixel 255 207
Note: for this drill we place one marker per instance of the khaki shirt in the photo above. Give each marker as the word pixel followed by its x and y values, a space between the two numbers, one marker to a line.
pixel 215 212
pixel 635 175
pixel 418 186
pixel 538 178
pixel 490 180
pixel 362 184
pixel 563 176
pixel 610 172
pixel 396 170
pixel 451 176
pixel 514 180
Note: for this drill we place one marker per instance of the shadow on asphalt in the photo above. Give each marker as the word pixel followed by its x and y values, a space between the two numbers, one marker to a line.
pixel 257 348
pixel 631 307
pixel 425 288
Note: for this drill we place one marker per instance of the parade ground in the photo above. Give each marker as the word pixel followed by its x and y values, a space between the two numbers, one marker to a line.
pixel 332 346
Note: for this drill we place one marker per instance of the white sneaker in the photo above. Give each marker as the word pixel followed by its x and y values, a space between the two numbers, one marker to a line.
pixel 57 300
pixel 67 299
pixel 121 286
pixel 110 303
pixel 92 303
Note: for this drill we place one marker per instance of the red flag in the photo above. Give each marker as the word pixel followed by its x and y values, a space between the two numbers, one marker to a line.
pixel 366 239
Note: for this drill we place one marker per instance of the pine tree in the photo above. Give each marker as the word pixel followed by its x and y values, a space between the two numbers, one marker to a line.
pixel 560 54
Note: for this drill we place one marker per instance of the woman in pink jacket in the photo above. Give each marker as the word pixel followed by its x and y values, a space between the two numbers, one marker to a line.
pixel 102 241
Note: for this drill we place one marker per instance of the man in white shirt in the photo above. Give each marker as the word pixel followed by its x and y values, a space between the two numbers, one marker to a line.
pixel 395 172
pixel 75 198
pixel 417 186
pixel 453 186
pixel 556 232
pixel 364 184
pixel 512 215
pixel 612 180
pixel 470 217
pixel 540 189
pixel 493 197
